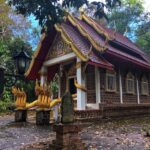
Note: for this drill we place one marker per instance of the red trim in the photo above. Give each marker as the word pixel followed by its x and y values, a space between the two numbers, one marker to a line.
pixel 128 47
pixel 100 65
pixel 38 61
pixel 52 70
pixel 129 59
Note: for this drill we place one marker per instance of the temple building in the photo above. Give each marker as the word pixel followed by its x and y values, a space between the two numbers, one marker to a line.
pixel 98 64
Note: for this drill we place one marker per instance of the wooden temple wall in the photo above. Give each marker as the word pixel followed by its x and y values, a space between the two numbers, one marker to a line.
pixel 108 97
pixel 145 98
pixel 128 98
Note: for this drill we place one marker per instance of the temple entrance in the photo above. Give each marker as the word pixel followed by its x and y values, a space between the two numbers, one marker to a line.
pixel 72 88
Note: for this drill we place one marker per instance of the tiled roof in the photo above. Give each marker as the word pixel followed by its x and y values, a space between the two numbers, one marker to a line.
pixel 77 39
pixel 86 35
pixel 100 61
pixel 128 57
pixel 91 32
pixel 120 38
pixel 84 47
pixel 124 41
pixel 138 56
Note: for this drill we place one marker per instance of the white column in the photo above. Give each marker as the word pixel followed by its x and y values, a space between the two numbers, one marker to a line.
pixel 120 87
pixel 81 95
pixel 42 80
pixel 43 77
pixel 97 86
pixel 137 89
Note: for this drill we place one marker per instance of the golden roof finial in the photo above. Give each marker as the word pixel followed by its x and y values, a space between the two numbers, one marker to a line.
pixel 81 10
pixel 65 14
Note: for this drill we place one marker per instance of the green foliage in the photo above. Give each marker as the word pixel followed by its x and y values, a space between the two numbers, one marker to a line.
pixel 5 21
pixel 3 52
pixel 127 17
pixel 54 85
pixel 14 32
pixel 131 20
pixel 143 37
pixel 6 102
pixel 6 106
pixel 50 12
pixel 6 95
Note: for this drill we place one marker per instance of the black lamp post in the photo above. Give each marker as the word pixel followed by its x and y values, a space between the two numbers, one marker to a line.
pixel 22 61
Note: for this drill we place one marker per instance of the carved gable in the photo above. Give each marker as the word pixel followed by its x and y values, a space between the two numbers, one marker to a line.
pixel 58 48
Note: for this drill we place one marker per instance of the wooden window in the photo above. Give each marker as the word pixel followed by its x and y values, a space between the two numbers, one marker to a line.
pixel 144 86
pixel 111 81
pixel 130 83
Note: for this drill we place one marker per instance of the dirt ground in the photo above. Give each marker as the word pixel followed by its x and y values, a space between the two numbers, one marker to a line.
pixel 120 134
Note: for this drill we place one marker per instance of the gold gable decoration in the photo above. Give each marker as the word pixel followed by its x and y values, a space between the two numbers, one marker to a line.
pixel 68 40
pixel 58 48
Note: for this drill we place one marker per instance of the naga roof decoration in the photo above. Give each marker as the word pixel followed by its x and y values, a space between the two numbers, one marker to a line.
pixel 88 39
pixel 69 41
pixel 97 27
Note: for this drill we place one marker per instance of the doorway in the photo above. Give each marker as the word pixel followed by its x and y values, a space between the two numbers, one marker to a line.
pixel 72 88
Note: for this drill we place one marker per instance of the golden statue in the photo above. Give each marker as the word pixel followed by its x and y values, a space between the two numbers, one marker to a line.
pixel 43 101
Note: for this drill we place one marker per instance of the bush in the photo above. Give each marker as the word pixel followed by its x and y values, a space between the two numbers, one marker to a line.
pixel 3 106
pixel 6 102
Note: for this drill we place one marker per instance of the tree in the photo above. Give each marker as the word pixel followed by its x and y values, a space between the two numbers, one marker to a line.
pixel 131 20
pixel 11 35
pixel 127 17
pixel 15 25
pixel 143 36
pixel 14 47
pixel 5 21
pixel 49 12
pixel 14 32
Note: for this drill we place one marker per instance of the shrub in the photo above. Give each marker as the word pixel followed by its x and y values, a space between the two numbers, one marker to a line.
pixel 6 101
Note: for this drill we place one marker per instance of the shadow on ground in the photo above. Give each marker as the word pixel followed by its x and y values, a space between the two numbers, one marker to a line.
pixel 121 134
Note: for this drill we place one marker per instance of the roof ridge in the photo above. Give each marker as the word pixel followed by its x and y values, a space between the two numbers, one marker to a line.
pixel 84 33
pixel 96 26
pixel 92 22
pixel 102 28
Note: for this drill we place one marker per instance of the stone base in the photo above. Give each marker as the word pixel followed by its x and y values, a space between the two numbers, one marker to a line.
pixel 42 117
pixel 20 115
pixel 112 111
pixel 67 137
